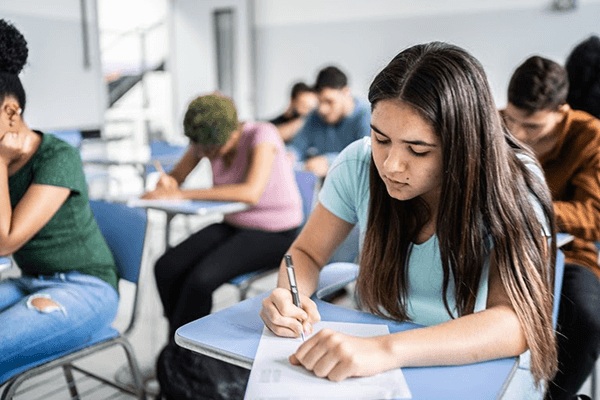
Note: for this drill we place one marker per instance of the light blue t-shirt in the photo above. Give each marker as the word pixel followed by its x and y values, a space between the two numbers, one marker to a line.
pixel 316 137
pixel 345 193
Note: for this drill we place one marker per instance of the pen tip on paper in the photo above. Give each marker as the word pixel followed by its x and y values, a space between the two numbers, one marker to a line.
pixel 303 338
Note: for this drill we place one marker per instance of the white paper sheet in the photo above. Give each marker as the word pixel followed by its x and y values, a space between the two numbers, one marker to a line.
pixel 274 378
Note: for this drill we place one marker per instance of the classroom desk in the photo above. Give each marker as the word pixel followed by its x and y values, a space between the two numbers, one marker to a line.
pixel 140 165
pixel 563 239
pixel 174 207
pixel 233 335
pixel 5 264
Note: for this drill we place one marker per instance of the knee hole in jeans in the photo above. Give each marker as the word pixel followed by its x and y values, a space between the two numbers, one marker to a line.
pixel 44 304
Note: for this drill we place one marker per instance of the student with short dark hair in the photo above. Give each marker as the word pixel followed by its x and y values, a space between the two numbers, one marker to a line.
pixel 455 216
pixel 338 120
pixel 567 144
pixel 583 68
pixel 303 100
pixel 67 290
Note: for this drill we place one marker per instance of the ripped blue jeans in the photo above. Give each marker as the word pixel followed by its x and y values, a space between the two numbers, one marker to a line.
pixel 48 314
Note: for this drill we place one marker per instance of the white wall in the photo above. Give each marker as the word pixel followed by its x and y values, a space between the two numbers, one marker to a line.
pixel 297 38
pixel 295 12
pixel 192 59
pixel 61 92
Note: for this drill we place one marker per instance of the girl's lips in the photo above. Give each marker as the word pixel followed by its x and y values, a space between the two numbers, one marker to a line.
pixel 395 183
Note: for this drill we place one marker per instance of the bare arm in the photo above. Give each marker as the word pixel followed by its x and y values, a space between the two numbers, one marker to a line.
pixel 184 166
pixel 489 334
pixel 34 210
pixel 289 129
pixel 492 333
pixel 315 245
pixel 249 191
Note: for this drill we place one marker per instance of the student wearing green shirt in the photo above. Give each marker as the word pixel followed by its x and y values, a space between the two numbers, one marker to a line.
pixel 68 287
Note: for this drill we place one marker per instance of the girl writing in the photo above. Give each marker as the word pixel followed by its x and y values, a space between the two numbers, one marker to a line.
pixel 455 217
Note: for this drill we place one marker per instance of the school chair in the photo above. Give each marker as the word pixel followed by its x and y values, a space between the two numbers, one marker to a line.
pixel 73 137
pixel 124 230
pixel 5 265
pixel 307 183
pixel 335 276
pixel 166 153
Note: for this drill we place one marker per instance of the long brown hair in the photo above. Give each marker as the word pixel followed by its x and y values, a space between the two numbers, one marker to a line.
pixel 486 197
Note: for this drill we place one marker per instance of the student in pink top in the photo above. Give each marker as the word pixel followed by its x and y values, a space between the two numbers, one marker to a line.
pixel 249 164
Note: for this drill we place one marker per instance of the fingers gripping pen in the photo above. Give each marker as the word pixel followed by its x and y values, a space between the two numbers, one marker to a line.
pixel 293 287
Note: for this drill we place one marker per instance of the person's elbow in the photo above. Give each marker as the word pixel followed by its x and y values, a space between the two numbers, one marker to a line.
pixel 8 246
pixel 515 338
pixel 251 195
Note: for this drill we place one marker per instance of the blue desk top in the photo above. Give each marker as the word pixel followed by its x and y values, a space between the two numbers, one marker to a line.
pixel 233 335
pixel 190 207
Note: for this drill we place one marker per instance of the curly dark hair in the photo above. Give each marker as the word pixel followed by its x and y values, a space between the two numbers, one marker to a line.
pixel 583 69
pixel 13 56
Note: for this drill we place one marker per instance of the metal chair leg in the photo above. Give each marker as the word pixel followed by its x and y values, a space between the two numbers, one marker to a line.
pixel 594 386
pixel 135 369
pixel 71 382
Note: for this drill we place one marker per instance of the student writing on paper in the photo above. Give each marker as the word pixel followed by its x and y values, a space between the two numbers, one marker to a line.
pixel 567 144
pixel 455 217
pixel 68 287
pixel 249 164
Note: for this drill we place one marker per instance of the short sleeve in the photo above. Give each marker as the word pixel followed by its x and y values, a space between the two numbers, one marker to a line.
pixel 266 133
pixel 342 191
pixel 60 166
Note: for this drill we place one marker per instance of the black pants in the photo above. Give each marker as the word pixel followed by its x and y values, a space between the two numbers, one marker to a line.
pixel 187 275
pixel 578 331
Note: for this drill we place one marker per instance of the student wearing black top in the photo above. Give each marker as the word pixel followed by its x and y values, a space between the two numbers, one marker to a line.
pixel 303 100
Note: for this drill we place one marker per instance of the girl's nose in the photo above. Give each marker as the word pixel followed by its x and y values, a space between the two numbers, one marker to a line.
pixel 394 163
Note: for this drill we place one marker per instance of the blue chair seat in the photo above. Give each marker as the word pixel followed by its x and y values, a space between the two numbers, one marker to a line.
pixel 240 279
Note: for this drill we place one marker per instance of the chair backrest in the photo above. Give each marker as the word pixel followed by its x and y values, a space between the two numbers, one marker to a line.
pixel 307 183
pixel 166 153
pixel 558 279
pixel 124 230
pixel 73 137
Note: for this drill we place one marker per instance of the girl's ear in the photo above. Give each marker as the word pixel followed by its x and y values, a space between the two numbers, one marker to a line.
pixel 12 109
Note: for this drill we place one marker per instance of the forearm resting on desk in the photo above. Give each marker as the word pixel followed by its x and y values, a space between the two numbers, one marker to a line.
pixel 477 337
pixel 242 192
pixel 486 335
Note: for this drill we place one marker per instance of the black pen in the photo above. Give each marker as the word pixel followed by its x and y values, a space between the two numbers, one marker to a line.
pixel 293 288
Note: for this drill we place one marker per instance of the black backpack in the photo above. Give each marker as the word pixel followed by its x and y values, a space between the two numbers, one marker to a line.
pixel 185 375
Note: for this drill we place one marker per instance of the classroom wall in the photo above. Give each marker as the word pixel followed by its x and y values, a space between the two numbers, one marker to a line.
pixel 296 39
pixel 192 56
pixel 61 92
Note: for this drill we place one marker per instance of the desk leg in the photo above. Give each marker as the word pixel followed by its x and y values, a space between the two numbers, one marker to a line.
pixel 168 230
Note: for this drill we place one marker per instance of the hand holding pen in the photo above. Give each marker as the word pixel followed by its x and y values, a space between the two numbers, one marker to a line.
pixel 165 181
pixel 293 287
pixel 281 314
